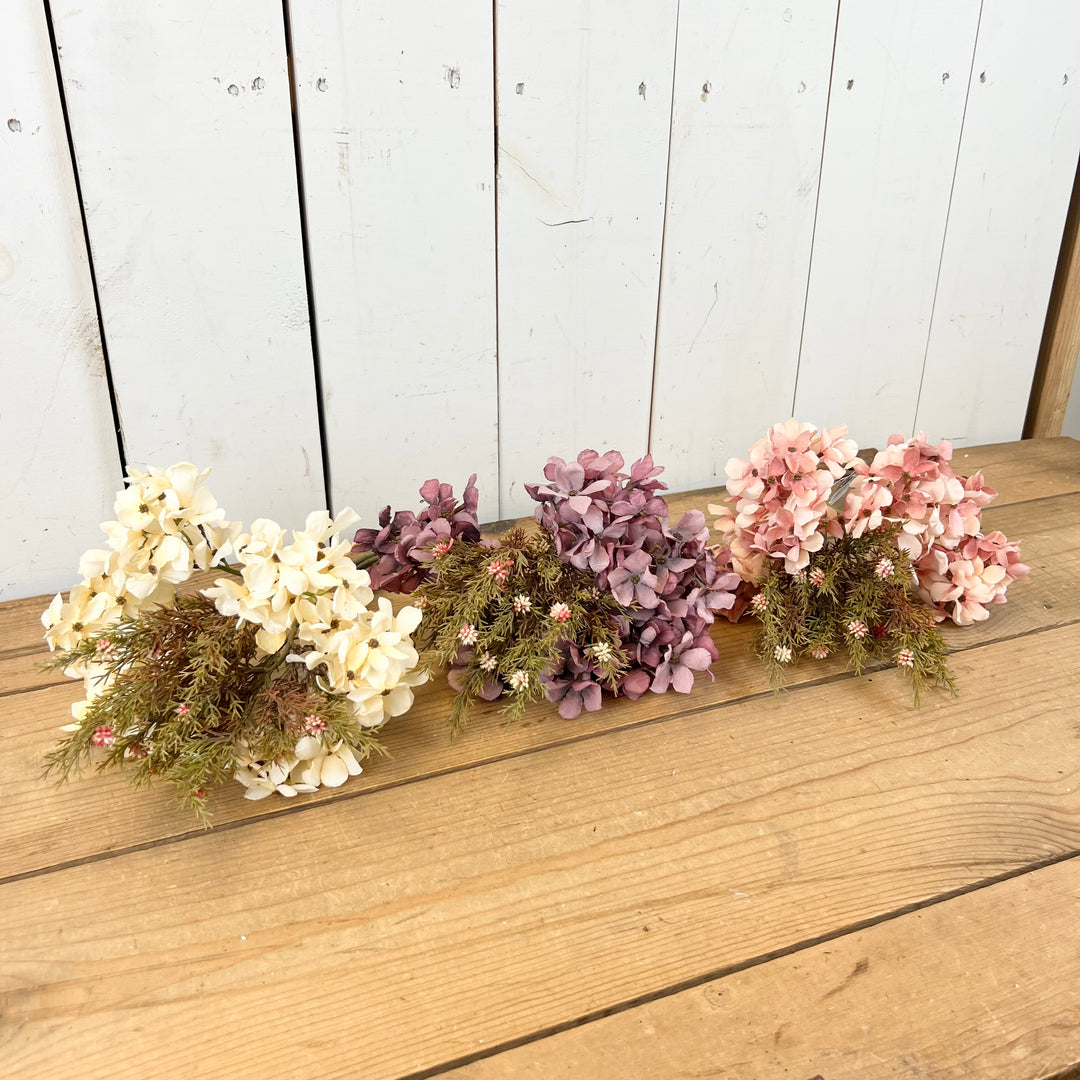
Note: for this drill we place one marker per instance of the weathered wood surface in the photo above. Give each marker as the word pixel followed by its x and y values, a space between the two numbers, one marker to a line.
pixel 747 122
pixel 583 94
pixel 55 394
pixel 1005 227
pixel 1001 1003
pixel 182 130
pixel 899 82
pixel 499 889
pixel 399 185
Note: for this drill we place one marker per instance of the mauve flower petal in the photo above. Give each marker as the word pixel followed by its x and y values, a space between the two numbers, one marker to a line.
pixel 696 659
pixel 662 679
pixel 635 683
pixel 570 706
pixel 429 492
pixel 593 519
pixel 645 596
pixel 592 697
pixel 491 689
pixel 570 477
pixel 682 679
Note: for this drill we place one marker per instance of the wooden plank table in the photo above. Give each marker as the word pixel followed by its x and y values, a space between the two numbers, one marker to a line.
pixel 826 883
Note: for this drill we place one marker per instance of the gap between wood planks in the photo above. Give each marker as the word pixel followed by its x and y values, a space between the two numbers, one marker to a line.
pixel 1072 1073
pixel 571 740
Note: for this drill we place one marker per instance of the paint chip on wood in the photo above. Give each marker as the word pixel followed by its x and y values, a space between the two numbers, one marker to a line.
pixel 641 89
pixel 320 85
pixel 453 77
pixel 258 83
pixel 520 88
pixel 233 89
pixel 944 77
pixel 14 125
pixel 706 90
pixel 802 87
pixel 982 76
pixel 850 83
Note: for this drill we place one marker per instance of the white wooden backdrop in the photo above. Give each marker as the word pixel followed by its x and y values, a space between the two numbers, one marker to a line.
pixel 336 249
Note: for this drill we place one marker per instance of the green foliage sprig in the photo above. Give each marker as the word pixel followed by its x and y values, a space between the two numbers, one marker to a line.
pixel 185 687
pixel 499 613
pixel 856 597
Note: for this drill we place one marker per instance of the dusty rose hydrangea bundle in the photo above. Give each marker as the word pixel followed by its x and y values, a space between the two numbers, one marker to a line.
pixel 407 543
pixel 614 525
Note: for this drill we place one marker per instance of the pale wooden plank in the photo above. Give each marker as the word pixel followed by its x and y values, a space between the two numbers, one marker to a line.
pixel 581 171
pixel 1014 174
pixel 182 130
pixel 982 986
pixel 480 907
pixel 895 111
pixel 57 442
pixel 35 832
pixel 396 110
pixel 1060 345
pixel 751 85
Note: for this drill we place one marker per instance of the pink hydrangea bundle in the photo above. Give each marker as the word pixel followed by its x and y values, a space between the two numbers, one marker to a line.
pixel 800 487
pixel 959 571
pixel 780 498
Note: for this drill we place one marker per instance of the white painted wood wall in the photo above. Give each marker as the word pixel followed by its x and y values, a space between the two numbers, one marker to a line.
pixel 346 247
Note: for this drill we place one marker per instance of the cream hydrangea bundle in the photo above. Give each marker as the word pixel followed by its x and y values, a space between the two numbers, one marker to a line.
pixel 276 675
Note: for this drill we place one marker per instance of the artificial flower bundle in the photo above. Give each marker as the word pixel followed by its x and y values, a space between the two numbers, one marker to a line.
pixel 605 596
pixel 281 673
pixel 277 675
pixel 615 526
pixel 831 543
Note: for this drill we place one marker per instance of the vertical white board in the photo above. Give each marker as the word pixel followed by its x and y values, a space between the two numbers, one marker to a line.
pixel 61 464
pixel 896 109
pixel 751 85
pixel 182 128
pixel 1014 177
pixel 584 106
pixel 396 114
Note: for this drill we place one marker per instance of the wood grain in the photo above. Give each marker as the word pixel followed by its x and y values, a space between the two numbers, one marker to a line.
pixel 36 833
pixel 1056 367
pixel 57 441
pixel 982 987
pixel 1008 208
pixel 412 927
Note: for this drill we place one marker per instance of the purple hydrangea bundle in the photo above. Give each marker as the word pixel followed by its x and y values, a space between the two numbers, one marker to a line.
pixel 615 526
pixel 408 544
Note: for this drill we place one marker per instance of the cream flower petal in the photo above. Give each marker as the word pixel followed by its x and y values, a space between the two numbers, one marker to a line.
pixel 334 772
pixel 308 747
pixel 308 774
